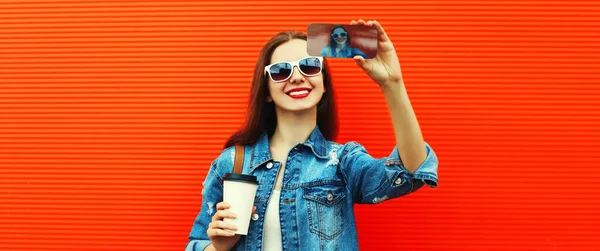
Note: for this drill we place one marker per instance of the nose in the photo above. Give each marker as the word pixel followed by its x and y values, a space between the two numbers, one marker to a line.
pixel 296 77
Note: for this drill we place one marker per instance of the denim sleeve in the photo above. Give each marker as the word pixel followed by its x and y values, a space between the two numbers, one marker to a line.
pixel 324 51
pixel 212 193
pixel 374 180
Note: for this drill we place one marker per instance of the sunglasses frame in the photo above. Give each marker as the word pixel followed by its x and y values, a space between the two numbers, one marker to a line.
pixel 334 35
pixel 295 64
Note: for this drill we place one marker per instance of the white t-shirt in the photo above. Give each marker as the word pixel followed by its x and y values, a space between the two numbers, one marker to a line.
pixel 272 228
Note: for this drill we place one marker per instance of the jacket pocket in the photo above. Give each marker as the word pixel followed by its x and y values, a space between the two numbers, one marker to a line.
pixel 324 205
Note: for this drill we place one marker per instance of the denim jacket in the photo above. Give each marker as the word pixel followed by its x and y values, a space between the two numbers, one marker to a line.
pixel 346 52
pixel 321 183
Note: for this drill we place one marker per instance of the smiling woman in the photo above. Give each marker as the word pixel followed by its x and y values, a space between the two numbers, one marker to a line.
pixel 340 45
pixel 289 146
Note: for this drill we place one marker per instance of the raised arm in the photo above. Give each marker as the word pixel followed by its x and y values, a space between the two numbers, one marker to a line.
pixel 385 70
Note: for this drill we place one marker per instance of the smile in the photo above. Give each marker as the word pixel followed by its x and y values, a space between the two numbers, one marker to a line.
pixel 298 93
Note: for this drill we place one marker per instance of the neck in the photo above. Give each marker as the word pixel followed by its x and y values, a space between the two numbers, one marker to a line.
pixel 293 127
pixel 340 46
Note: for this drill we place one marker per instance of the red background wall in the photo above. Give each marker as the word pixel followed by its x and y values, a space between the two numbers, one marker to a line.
pixel 110 113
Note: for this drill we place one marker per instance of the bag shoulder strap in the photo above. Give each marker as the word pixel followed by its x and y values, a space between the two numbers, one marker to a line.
pixel 239 159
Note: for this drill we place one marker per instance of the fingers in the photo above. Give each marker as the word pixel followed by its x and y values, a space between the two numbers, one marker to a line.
pixel 222 205
pixel 362 22
pixel 359 60
pixel 362 63
pixel 253 209
pixel 383 37
pixel 213 232
pixel 218 227
pixel 222 225
pixel 221 214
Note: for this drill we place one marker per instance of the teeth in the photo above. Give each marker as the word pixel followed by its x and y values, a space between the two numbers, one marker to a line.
pixel 299 92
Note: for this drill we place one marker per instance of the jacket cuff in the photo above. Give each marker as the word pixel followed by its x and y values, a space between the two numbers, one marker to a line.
pixel 427 172
pixel 197 245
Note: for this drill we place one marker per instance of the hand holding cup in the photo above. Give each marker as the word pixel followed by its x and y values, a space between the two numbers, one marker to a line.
pixel 221 233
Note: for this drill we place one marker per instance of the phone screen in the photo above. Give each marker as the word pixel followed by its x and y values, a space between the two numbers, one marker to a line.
pixel 342 40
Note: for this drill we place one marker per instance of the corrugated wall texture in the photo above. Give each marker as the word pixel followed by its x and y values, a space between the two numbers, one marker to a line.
pixel 111 112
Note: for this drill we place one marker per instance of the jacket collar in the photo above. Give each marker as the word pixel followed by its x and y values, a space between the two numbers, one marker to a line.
pixel 261 152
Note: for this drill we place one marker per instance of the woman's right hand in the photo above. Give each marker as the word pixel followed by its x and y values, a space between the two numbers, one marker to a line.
pixel 220 238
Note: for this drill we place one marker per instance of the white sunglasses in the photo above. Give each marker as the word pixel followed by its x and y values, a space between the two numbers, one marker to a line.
pixel 282 71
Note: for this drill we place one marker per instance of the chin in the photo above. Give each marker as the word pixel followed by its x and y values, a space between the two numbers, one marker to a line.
pixel 299 107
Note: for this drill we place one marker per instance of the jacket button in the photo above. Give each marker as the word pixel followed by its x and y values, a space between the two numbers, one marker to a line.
pixel 398 181
pixel 269 165
pixel 329 196
pixel 255 217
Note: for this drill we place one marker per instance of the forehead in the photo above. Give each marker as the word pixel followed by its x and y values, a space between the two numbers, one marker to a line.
pixel 339 30
pixel 292 50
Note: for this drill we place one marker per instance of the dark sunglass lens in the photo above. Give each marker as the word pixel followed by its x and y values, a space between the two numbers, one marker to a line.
pixel 336 35
pixel 280 71
pixel 310 66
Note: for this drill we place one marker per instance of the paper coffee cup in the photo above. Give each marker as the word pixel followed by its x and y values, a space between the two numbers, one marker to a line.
pixel 239 191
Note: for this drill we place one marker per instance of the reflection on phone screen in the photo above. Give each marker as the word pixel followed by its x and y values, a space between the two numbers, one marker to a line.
pixel 342 41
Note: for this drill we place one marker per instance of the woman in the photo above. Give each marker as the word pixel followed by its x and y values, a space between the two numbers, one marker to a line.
pixel 339 45
pixel 308 183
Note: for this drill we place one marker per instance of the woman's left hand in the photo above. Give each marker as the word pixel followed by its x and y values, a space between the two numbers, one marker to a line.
pixel 384 69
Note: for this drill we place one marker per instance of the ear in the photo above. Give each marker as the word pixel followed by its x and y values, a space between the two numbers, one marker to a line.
pixel 269 99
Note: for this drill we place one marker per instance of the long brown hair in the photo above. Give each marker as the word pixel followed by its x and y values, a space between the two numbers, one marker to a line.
pixel 261 114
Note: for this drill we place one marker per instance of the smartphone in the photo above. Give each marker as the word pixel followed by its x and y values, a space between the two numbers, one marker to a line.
pixel 341 40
